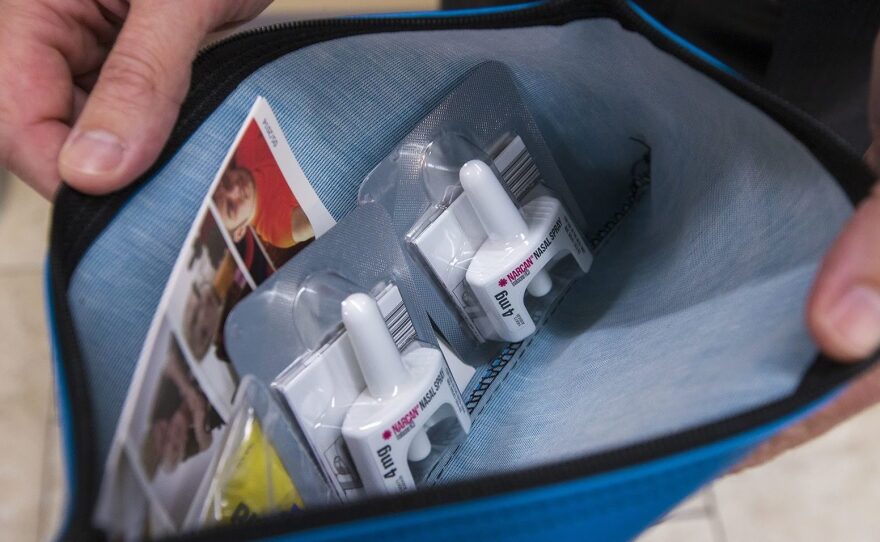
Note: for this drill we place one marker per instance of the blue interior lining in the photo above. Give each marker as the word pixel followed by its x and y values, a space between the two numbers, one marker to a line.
pixel 693 311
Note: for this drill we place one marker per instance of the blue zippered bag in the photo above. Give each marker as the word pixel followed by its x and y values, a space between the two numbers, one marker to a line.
pixel 683 348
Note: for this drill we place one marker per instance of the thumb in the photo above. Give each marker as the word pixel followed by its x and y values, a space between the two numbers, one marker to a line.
pixel 844 309
pixel 135 102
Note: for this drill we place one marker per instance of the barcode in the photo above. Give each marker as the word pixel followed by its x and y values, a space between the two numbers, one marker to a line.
pixel 521 175
pixel 401 327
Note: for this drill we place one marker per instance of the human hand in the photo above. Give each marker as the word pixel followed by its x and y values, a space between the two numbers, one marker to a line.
pixel 92 88
pixel 843 312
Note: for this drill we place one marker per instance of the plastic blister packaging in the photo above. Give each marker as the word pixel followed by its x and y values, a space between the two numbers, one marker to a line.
pixel 264 466
pixel 376 404
pixel 359 366
pixel 482 206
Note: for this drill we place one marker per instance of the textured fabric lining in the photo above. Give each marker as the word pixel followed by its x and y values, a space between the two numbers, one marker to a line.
pixel 692 312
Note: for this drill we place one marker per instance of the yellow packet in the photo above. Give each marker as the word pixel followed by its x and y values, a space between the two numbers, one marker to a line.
pixel 257 482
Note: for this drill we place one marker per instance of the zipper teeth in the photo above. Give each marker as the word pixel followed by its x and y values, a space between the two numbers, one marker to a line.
pixel 549 13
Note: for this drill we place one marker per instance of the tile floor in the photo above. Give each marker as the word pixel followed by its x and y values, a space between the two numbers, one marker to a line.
pixel 826 490
pixel 30 464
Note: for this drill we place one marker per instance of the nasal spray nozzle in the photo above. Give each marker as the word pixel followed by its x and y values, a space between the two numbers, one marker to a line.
pixel 501 219
pixel 385 429
pixel 520 244
pixel 379 359
pixel 377 355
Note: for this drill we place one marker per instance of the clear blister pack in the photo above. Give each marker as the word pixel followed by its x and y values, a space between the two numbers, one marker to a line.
pixel 376 402
pixel 264 466
pixel 354 358
pixel 483 208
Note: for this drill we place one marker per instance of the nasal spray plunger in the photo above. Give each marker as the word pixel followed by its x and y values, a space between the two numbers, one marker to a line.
pixel 379 359
pixel 385 429
pixel 500 217
pixel 520 245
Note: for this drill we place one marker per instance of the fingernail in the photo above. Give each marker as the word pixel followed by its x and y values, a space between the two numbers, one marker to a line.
pixel 94 152
pixel 856 320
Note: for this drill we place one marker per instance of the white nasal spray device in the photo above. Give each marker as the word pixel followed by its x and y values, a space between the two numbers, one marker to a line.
pixel 519 247
pixel 386 427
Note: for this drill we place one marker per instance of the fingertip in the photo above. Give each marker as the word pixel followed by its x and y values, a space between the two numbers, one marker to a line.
pixel 48 190
pixel 33 156
pixel 131 110
pixel 98 162
pixel 848 328
pixel 92 160
pixel 843 312
pixel 830 341
pixel 843 316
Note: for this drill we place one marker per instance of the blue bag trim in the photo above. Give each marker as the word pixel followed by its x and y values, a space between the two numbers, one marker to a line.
pixel 714 458
pixel 465 12
pixel 703 55
pixel 723 454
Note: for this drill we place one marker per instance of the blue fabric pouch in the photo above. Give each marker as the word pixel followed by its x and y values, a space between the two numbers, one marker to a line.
pixel 681 350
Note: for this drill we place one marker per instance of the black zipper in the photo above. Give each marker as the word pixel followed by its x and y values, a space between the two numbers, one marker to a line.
pixel 78 219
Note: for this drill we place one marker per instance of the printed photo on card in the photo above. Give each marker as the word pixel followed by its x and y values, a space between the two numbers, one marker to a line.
pixel 128 516
pixel 173 436
pixel 259 212
pixel 254 197
pixel 253 256
pixel 204 292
